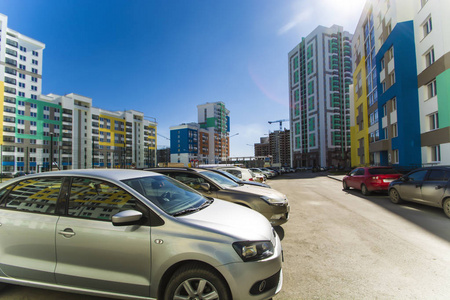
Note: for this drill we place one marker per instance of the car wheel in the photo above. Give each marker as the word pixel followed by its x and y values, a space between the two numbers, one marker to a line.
pixel 194 281
pixel 364 190
pixel 344 185
pixel 446 207
pixel 395 196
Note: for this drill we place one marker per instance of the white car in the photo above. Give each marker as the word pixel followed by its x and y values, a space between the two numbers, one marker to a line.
pixel 243 174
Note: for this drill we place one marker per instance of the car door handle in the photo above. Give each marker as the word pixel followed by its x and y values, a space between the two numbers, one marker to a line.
pixel 68 232
pixel 438 187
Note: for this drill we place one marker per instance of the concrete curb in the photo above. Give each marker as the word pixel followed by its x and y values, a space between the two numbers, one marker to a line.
pixel 337 177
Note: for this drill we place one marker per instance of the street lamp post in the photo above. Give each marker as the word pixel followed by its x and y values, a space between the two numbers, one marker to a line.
pixel 51 151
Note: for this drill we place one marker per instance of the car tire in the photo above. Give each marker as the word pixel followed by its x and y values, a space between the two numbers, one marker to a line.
pixel 446 207
pixel 364 190
pixel 344 185
pixel 195 275
pixel 394 196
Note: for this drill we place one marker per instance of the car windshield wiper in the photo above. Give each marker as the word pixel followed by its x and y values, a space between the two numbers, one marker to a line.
pixel 193 209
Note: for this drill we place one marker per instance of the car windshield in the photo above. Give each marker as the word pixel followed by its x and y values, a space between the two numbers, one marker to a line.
pixel 382 171
pixel 168 194
pixel 220 179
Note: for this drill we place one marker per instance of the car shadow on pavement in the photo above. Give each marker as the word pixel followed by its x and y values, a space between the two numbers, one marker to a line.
pixel 432 219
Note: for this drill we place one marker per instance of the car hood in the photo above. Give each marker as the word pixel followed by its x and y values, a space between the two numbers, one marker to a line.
pixel 259 191
pixel 234 220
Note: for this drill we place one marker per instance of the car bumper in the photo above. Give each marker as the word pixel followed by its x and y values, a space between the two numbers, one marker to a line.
pixel 381 185
pixel 277 215
pixel 255 280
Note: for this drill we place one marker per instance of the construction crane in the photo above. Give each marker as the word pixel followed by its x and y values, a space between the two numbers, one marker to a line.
pixel 163 136
pixel 279 121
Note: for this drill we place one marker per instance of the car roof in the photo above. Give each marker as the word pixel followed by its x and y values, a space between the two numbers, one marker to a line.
pixel 112 174
pixel 199 170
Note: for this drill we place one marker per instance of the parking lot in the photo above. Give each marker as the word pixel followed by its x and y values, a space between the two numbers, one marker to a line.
pixel 342 245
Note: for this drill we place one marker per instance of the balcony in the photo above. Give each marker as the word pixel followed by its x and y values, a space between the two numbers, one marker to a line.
pixel 12 43
pixel 8 139
pixel 10 61
pixel 10 90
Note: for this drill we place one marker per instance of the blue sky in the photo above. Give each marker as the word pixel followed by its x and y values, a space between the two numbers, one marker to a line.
pixel 164 57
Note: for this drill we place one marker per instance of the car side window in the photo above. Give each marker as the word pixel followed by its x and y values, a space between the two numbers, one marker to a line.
pixel 438 175
pixel 98 200
pixel 38 195
pixel 360 172
pixel 417 176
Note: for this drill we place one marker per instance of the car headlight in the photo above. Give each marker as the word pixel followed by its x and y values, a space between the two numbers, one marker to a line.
pixel 253 250
pixel 273 201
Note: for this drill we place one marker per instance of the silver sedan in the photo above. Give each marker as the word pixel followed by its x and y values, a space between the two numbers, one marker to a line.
pixel 118 233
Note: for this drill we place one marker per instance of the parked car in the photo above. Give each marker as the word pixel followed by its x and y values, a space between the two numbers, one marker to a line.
pixel 260 172
pixel 20 173
pixel 429 186
pixel 238 180
pixel 244 174
pixel 274 173
pixel 133 234
pixel 269 202
pixel 370 179
pixel 241 173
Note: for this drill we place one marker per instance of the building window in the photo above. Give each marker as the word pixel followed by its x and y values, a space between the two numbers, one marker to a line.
pixel 22 67
pixel 35 71
pixel 35 53
pixel 427 27
pixel 435 153
pixel 390 53
pixel 394 130
pixel 22 48
pixel 395 156
pixel 23 58
pixel 433 121
pixel 431 88
pixel 429 58
pixel 383 86
pixel 394 104
pixel 22 76
pixel 34 62
pixel 382 64
pixel 392 77
pixel 21 84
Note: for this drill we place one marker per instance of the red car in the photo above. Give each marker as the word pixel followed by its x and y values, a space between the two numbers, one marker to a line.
pixel 370 179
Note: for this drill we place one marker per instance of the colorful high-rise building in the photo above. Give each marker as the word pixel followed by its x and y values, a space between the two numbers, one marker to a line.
pixel 320 72
pixel 205 142
pixel 432 35
pixel 385 123
pixel 215 119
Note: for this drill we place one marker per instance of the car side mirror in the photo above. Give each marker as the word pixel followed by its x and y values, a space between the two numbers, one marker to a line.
pixel 239 175
pixel 205 186
pixel 404 178
pixel 126 217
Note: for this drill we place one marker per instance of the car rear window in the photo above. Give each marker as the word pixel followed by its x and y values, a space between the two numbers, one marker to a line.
pixel 381 171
